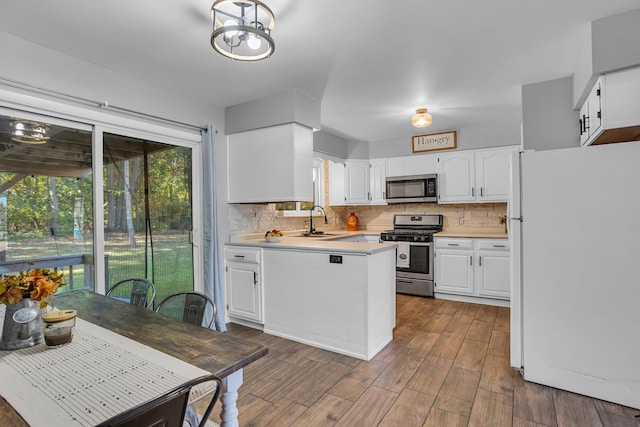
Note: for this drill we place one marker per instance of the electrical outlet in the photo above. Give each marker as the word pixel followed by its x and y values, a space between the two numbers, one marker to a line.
pixel 461 221
pixel 235 224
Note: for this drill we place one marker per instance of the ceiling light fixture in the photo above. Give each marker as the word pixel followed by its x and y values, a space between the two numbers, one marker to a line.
pixel 242 29
pixel 28 132
pixel 422 119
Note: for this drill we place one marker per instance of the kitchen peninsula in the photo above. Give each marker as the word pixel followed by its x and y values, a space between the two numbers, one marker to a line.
pixel 323 291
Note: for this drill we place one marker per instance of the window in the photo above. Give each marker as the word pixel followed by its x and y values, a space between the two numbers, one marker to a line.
pixel 303 208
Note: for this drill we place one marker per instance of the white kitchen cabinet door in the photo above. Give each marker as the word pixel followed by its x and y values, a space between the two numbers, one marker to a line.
pixel 493 274
pixel 337 195
pixel 244 291
pixel 492 175
pixel 456 177
pixel 473 267
pixel 377 184
pixel 582 123
pixel 594 108
pixel 454 271
pixel 357 182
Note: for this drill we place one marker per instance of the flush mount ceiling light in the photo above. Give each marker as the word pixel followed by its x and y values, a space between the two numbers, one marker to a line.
pixel 28 132
pixel 422 119
pixel 242 29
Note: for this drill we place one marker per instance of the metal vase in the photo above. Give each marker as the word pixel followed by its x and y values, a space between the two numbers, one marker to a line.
pixel 22 325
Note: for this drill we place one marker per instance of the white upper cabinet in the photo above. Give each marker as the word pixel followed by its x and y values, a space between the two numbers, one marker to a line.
pixel 418 164
pixel 357 182
pixel 611 112
pixel 492 175
pixel 456 177
pixel 377 181
pixel 474 176
pixel 273 164
pixel 336 184
pixel 590 118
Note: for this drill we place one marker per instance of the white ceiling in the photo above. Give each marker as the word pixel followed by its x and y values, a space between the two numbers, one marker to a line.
pixel 370 62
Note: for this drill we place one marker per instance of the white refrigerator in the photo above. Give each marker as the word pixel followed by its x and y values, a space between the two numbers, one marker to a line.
pixel 576 290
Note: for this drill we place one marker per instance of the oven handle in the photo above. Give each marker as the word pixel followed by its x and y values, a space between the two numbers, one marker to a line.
pixel 420 243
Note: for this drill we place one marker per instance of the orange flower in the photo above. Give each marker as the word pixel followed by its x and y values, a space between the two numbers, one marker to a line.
pixel 38 284
pixel 44 287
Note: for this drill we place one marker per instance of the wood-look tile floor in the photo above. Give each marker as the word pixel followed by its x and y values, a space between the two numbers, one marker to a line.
pixel 448 365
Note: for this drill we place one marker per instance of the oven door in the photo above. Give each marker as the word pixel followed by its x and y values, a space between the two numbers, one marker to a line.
pixel 420 263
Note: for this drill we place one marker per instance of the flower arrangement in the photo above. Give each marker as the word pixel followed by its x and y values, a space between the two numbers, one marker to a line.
pixel 39 284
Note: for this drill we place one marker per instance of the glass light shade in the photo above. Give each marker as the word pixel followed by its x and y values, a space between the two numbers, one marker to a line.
pixel 254 42
pixel 230 23
pixel 242 29
pixel 421 119
pixel 26 132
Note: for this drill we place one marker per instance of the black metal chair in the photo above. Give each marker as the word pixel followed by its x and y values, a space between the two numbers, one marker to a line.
pixel 135 291
pixel 190 306
pixel 169 409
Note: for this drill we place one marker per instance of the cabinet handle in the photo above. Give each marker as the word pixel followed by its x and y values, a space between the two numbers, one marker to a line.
pixel 368 196
pixel 480 261
pixel 584 122
pixel 255 278
pixel 239 256
pixel 473 192
pixel 580 122
pixel 453 244
pixel 499 246
pixel 480 191
pixel 471 260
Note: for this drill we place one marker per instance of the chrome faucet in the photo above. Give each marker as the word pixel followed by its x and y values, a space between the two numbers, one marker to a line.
pixel 311 228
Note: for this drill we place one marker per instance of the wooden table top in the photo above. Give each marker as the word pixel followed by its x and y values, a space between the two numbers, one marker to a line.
pixel 213 351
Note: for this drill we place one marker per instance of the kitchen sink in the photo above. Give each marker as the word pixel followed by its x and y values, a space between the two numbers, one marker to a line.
pixel 315 235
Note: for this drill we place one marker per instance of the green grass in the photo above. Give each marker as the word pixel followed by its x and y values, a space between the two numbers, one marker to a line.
pixel 172 262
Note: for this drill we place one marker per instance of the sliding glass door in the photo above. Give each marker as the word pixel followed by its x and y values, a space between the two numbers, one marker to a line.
pixel 46 197
pixel 148 212
pixel 53 172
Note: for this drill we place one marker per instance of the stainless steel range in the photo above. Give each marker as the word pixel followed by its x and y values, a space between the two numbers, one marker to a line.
pixel 415 255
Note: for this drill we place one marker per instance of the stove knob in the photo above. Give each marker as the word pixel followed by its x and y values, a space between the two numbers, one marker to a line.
pixel 423 238
pixel 415 238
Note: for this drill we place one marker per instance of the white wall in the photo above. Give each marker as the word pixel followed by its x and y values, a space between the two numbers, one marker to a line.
pixel 328 143
pixel 549 120
pixel 29 63
pixel 490 135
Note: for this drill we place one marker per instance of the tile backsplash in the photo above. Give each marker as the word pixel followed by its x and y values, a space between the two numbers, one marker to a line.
pixel 256 218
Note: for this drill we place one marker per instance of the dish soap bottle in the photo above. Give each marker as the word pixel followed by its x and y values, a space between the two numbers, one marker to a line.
pixel 352 222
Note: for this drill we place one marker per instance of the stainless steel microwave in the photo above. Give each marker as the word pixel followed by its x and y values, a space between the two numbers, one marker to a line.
pixel 412 189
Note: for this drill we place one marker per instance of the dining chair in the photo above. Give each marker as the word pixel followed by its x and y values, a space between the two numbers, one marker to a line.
pixel 190 306
pixel 135 291
pixel 169 409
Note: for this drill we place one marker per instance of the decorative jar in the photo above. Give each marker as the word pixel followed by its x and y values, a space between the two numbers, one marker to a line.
pixel 22 324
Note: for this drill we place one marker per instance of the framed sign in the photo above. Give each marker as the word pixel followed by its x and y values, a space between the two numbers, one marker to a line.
pixel 434 141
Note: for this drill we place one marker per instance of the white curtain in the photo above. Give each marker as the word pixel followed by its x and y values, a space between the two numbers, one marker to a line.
pixel 213 285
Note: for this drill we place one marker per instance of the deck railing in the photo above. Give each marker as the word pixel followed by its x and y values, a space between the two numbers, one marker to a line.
pixel 65 262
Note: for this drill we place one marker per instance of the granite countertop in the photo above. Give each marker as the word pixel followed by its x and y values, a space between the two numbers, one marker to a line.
pixel 292 240
pixel 488 234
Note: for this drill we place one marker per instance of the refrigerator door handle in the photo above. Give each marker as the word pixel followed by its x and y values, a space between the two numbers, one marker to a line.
pixel 515 218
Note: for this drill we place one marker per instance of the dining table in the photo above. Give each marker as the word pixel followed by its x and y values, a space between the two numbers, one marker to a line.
pixel 216 352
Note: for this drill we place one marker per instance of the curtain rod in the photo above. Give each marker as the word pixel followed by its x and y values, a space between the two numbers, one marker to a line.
pixel 101 105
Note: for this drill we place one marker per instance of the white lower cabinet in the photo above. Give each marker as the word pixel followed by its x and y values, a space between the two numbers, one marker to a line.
pixel 493 270
pixel 473 267
pixel 244 283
